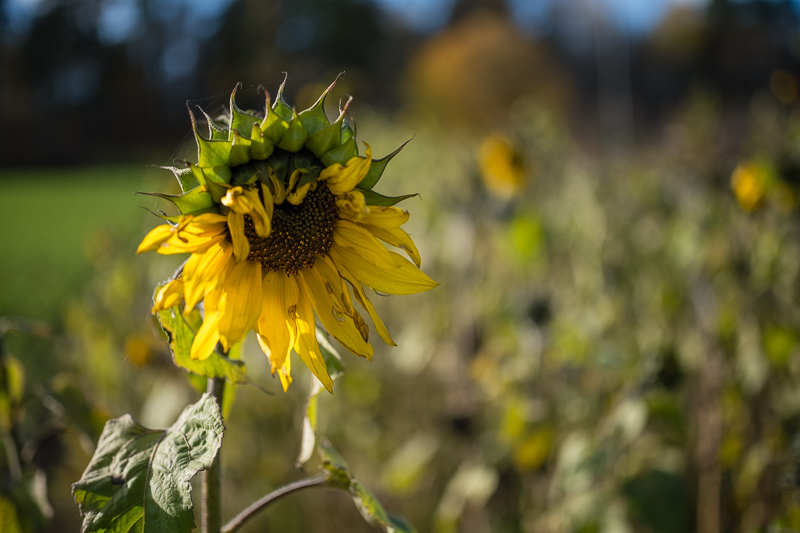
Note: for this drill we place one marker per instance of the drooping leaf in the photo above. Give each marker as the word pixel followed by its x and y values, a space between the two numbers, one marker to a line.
pixel 374 198
pixel 181 331
pixel 139 478
pixel 370 508
pixel 333 362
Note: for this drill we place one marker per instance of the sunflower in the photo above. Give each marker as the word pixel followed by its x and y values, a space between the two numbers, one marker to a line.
pixel 282 225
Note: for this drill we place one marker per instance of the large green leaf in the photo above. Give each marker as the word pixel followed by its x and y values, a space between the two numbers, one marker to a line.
pixel 139 478
pixel 370 508
pixel 181 331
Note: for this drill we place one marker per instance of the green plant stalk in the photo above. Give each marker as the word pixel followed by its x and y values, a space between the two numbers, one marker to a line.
pixel 211 502
pixel 239 520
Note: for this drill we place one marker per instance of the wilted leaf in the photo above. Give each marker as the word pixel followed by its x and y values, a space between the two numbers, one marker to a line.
pixel 369 507
pixel 333 363
pixel 138 479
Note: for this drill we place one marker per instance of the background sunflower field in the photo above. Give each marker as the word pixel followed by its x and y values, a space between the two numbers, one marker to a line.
pixel 607 195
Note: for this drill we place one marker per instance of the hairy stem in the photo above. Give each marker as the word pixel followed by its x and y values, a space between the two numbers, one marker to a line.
pixel 211 519
pixel 240 519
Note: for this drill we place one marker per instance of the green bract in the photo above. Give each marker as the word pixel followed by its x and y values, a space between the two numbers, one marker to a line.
pixel 242 148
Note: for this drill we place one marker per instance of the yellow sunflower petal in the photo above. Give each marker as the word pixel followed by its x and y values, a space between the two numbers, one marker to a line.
pixel 276 323
pixel 239 303
pixel 341 326
pixel 195 234
pixel 277 186
pixel 168 295
pixel 155 238
pixel 206 272
pixel 396 237
pixel 352 205
pixel 241 246
pixel 359 240
pixel 246 201
pixel 208 335
pixel 400 277
pixel 365 302
pixel 385 217
pixel 334 284
pixel 306 344
pixel 284 371
pixel 341 179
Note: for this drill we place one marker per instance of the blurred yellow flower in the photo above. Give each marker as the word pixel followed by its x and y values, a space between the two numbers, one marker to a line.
pixel 501 166
pixel 278 237
pixel 749 183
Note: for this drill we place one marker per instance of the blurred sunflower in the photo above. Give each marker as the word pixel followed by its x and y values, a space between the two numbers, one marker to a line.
pixel 279 217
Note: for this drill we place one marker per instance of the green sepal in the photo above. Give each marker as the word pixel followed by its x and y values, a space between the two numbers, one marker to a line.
pixel 326 139
pixel 250 172
pixel 162 215
pixel 273 126
pixel 187 203
pixel 281 108
pixel 138 478
pixel 295 136
pixel 376 169
pixel 261 147
pixel 216 132
pixel 181 330
pixel 340 155
pixel 348 131
pixel 241 121
pixel 210 153
pixel 186 179
pixel 279 162
pixel 371 510
pixel 304 161
pixel 211 179
pixel 314 118
pixel 240 149
pixel 374 198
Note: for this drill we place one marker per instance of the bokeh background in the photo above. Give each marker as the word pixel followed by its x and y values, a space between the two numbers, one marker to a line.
pixel 608 197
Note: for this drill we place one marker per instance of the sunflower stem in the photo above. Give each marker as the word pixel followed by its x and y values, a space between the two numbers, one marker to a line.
pixel 239 520
pixel 211 521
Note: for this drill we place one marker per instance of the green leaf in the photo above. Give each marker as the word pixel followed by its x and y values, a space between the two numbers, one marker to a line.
pixel 193 201
pixel 340 155
pixel 181 331
pixel 333 362
pixel 376 169
pixel 370 508
pixel 139 478
pixel 374 198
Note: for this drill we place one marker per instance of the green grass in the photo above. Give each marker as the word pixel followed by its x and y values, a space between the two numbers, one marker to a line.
pixel 57 223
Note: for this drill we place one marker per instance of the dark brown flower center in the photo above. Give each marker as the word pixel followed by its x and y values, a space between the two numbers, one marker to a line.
pixel 299 233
